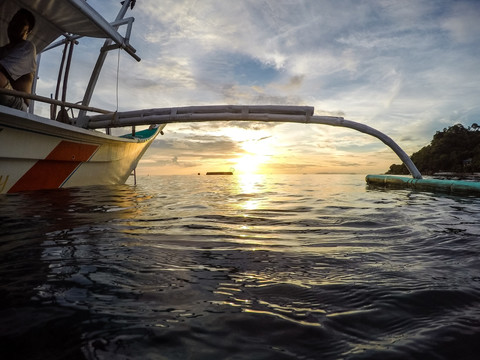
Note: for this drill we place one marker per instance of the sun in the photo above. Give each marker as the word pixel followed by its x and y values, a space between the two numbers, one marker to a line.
pixel 248 164
pixel 256 157
pixel 258 148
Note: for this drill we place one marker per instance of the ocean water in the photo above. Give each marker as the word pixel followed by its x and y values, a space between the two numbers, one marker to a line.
pixel 239 267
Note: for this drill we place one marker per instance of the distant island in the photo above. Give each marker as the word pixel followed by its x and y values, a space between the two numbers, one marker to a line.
pixel 219 173
pixel 455 149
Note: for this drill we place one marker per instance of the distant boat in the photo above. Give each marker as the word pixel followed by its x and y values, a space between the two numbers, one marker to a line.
pixel 219 173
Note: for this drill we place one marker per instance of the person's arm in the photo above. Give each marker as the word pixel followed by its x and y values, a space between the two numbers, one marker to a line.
pixel 4 79
pixel 24 83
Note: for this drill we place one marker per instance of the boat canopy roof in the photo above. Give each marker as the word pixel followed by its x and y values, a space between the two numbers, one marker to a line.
pixel 55 18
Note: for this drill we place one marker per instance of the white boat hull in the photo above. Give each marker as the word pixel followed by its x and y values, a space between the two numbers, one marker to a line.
pixel 37 153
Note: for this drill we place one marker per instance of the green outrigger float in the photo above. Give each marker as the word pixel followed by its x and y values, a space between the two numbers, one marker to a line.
pixel 451 186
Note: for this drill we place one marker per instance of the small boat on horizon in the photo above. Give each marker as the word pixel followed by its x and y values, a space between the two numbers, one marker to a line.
pixel 219 173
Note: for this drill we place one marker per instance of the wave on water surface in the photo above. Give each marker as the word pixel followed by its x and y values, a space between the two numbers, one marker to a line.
pixel 264 267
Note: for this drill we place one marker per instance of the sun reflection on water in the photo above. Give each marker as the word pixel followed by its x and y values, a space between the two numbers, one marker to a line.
pixel 251 186
pixel 251 183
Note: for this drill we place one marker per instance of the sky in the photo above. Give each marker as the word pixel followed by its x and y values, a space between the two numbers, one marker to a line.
pixel 407 68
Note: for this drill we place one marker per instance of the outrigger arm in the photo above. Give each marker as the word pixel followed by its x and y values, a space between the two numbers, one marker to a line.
pixel 278 114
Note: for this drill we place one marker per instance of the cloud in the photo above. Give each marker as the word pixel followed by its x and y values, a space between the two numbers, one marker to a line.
pixel 407 68
pixel 197 146
pixel 462 21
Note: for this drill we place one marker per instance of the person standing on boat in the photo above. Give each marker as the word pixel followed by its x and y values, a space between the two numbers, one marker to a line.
pixel 18 60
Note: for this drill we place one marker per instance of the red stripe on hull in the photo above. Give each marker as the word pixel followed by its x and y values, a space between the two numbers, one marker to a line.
pixel 52 172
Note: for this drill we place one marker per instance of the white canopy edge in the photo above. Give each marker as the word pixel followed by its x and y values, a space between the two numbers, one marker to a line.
pixel 59 17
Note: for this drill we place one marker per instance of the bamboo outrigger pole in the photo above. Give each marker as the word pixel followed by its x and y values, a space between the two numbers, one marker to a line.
pixel 292 114
pixel 53 101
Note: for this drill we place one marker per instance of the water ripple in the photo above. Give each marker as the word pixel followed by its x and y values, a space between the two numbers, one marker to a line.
pixel 293 267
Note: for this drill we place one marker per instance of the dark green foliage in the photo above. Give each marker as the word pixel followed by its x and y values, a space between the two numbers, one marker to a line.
pixel 455 149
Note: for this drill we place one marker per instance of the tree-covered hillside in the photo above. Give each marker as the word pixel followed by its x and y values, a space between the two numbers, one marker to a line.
pixel 456 149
